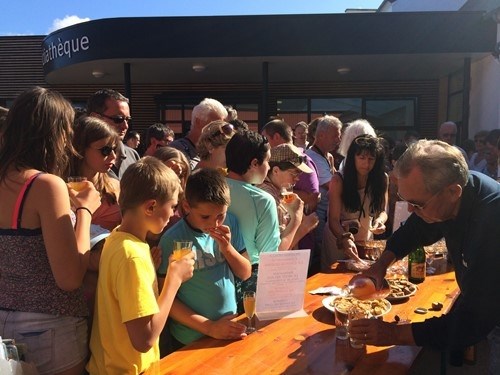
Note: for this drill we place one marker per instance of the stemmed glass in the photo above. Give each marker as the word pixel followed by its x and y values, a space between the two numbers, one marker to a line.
pixel 249 306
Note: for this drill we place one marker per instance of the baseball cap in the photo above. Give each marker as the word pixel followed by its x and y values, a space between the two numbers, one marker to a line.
pixel 289 153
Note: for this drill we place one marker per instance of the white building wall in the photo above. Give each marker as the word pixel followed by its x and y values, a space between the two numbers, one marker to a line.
pixel 484 95
pixel 422 5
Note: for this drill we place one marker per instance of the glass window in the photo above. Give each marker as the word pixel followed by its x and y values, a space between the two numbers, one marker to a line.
pixel 247 112
pixel 456 82
pixel 292 105
pixel 293 118
pixel 341 105
pixel 455 107
pixel 390 113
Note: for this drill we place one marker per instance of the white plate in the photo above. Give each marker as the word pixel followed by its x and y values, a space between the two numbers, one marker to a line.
pixel 413 289
pixel 328 300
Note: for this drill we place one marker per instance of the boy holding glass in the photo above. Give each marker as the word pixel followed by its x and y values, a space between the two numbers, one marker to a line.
pixel 129 314
pixel 206 304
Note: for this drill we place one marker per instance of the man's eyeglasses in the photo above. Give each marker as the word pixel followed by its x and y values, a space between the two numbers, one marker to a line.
pixel 118 119
pixel 106 150
pixel 418 206
pixel 294 173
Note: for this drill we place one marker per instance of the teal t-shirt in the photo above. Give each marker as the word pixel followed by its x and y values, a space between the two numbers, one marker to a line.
pixel 210 292
pixel 257 216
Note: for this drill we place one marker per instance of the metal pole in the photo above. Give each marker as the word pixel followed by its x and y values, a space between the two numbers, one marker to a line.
pixel 127 81
pixel 265 95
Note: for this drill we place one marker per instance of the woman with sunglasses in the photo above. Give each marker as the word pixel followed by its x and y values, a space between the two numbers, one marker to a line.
pixel 43 259
pixel 357 194
pixel 96 144
pixel 211 146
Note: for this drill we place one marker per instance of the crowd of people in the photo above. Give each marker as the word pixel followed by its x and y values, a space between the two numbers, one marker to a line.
pixel 88 277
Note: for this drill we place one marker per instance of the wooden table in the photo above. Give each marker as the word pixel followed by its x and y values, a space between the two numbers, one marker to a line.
pixel 308 345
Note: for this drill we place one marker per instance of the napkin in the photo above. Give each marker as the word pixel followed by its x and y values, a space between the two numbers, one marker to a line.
pixel 331 290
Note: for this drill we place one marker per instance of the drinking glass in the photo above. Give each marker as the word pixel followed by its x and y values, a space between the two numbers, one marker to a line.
pixel 77 182
pixel 341 323
pixel 356 313
pixel 249 305
pixel 182 248
pixel 287 193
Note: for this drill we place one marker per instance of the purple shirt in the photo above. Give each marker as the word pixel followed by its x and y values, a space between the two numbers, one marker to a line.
pixel 308 182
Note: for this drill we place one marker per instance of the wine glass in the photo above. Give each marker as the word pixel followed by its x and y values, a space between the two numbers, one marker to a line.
pixel 249 305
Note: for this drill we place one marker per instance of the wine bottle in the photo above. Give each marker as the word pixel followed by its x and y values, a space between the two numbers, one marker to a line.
pixel 416 265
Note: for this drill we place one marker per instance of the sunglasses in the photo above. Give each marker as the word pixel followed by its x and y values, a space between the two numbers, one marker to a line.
pixel 118 119
pixel 365 141
pixel 106 150
pixel 227 129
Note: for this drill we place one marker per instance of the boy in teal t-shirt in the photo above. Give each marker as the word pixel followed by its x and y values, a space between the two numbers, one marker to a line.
pixel 206 303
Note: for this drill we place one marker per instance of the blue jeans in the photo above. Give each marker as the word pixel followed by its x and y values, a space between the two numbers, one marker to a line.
pixel 54 343
pixel 494 341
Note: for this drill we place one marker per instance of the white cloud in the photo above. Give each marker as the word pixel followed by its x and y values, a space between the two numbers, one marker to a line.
pixel 59 23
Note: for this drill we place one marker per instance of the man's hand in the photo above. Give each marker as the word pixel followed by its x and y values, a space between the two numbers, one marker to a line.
pixel 379 333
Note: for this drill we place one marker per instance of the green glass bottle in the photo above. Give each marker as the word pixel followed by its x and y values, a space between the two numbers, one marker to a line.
pixel 416 265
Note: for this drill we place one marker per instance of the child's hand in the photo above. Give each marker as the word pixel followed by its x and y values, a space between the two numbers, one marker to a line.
pixel 156 256
pixel 222 235
pixel 182 269
pixel 226 329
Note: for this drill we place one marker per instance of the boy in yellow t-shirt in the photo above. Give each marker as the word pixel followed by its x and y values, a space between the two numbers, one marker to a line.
pixel 129 313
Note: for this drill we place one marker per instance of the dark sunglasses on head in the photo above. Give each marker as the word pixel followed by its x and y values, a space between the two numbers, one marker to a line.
pixel 118 119
pixel 227 129
pixel 106 150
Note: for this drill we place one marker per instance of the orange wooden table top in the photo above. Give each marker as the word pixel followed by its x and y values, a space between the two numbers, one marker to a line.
pixel 308 345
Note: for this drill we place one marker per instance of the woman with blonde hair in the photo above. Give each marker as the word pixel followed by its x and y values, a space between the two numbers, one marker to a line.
pixel 42 262
pixel 96 144
pixel 212 145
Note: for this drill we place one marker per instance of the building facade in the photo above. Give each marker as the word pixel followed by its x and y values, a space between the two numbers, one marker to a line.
pixel 400 70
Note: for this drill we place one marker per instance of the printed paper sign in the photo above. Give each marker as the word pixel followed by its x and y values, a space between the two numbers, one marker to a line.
pixel 281 284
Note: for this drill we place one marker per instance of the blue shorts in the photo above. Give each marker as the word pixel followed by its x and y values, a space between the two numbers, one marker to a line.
pixel 54 343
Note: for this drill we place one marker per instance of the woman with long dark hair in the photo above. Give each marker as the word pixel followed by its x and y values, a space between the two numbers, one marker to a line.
pixel 357 200
pixel 42 262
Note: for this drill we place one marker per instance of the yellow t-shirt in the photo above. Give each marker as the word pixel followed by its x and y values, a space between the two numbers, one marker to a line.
pixel 127 289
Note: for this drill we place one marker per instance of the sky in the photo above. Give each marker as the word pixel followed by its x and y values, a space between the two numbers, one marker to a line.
pixel 41 17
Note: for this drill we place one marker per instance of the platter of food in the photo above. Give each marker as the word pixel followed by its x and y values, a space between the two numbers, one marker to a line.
pixel 375 307
pixel 401 289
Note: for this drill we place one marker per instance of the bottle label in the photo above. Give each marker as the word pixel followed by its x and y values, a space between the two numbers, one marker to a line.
pixel 417 270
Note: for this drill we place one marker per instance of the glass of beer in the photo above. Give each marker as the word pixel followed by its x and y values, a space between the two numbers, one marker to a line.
pixel 249 305
pixel 287 193
pixel 77 182
pixel 182 248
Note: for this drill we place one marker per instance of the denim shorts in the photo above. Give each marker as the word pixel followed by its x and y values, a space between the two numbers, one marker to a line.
pixel 54 343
